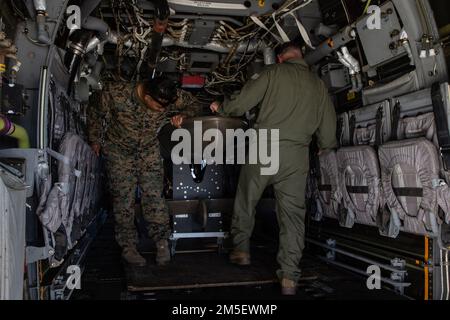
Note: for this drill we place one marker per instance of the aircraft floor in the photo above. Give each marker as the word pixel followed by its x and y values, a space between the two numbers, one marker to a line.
pixel 206 274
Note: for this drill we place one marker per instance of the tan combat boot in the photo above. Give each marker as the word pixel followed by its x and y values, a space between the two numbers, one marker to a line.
pixel 240 258
pixel 288 287
pixel 162 253
pixel 132 257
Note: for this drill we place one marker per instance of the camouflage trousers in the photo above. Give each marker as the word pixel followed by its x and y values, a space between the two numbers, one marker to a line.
pixel 125 172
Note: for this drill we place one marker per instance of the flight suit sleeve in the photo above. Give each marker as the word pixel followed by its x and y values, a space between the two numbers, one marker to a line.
pixel 250 96
pixel 326 133
pixel 97 114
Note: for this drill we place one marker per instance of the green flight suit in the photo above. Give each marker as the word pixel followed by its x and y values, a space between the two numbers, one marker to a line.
pixel 294 100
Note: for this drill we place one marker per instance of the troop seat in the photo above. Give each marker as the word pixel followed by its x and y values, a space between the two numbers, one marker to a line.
pixel 66 207
pixel 370 125
pixel 389 171
pixel 360 131
pixel 410 180
pixel 413 117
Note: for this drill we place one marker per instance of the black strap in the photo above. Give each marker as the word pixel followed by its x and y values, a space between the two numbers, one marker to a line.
pixel 440 116
pixel 399 192
pixel 409 192
pixel 379 125
pixel 325 188
pixel 396 120
pixel 357 189
pixel 352 126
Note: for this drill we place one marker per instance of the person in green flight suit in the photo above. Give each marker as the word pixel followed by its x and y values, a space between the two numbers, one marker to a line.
pixel 291 98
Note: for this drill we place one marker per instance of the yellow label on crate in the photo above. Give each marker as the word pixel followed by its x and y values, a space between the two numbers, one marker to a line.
pixel 351 95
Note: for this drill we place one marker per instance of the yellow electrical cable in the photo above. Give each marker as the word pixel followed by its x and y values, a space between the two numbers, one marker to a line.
pixel 367 6
pixel 17 132
pixel 22 137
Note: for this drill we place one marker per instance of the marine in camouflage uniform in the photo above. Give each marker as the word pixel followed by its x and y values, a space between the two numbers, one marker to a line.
pixel 127 131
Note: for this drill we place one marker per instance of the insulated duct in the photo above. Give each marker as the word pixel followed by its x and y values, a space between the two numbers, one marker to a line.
pixel 111 37
pixel 75 53
pixel 354 68
pixel 8 128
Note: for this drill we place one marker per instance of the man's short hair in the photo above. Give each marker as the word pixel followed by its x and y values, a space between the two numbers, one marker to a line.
pixel 162 89
pixel 295 44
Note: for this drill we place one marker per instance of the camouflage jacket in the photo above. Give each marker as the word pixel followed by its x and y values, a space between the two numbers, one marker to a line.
pixel 119 118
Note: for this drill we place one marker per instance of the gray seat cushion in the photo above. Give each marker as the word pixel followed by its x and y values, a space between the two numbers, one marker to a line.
pixel 359 178
pixel 410 168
